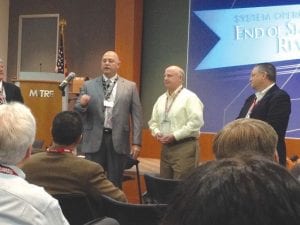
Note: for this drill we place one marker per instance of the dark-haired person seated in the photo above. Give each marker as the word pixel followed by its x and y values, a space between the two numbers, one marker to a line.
pixel 246 136
pixel 60 171
pixel 236 191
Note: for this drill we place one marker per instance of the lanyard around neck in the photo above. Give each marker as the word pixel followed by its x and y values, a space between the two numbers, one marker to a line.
pixel 59 150
pixel 167 108
pixel 108 88
pixel 7 170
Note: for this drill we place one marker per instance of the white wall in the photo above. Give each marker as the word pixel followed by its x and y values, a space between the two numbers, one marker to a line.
pixel 4 19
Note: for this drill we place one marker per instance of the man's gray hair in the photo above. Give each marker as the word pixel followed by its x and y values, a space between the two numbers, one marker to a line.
pixel 17 132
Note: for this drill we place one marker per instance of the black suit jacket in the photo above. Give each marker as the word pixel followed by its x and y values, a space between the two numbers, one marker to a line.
pixel 274 108
pixel 12 92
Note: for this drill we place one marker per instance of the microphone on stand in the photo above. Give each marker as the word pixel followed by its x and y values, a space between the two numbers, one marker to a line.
pixel 65 82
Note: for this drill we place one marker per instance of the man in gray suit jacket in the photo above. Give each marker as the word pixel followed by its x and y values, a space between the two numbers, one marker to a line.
pixel 110 106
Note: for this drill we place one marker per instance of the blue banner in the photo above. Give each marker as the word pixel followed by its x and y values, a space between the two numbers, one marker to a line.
pixel 226 39
pixel 274 32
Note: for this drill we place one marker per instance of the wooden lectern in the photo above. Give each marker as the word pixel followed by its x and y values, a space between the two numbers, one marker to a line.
pixel 42 95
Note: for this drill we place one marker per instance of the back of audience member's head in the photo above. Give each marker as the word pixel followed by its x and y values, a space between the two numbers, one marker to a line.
pixel 17 132
pixel 295 171
pixel 246 136
pixel 236 191
pixel 67 128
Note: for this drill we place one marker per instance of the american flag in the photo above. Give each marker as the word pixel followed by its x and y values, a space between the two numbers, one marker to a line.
pixel 60 63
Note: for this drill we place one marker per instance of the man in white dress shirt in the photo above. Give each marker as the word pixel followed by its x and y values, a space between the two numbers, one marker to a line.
pixel 176 120
pixel 21 203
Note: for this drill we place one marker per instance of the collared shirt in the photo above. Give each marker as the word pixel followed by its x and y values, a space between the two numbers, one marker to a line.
pixel 185 114
pixel 22 203
pixel 260 94
pixel 109 101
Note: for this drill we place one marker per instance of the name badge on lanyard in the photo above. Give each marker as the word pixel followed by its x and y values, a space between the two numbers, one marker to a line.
pixel 108 103
pixel 165 126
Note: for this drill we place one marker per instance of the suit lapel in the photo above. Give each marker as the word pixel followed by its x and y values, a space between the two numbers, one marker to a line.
pixel 269 92
pixel 8 91
pixel 265 98
pixel 272 89
pixel 120 88
pixel 99 87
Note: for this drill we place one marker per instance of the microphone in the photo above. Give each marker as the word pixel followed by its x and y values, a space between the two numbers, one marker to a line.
pixel 65 82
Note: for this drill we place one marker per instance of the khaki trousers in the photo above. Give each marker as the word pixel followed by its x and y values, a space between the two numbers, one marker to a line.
pixel 177 160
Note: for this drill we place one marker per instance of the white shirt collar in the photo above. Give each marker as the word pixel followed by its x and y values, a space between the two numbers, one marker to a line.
pixel 174 92
pixel 260 94
pixel 112 78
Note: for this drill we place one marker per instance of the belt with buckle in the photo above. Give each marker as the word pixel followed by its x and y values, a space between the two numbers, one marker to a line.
pixel 183 141
pixel 107 130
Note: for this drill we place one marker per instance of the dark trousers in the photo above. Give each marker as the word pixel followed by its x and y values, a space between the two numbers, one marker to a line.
pixel 281 150
pixel 112 162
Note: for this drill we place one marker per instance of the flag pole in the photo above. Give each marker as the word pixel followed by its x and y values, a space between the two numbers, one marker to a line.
pixel 61 60
pixel 63 24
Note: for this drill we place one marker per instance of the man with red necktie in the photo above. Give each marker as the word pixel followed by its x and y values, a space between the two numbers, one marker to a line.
pixel 272 104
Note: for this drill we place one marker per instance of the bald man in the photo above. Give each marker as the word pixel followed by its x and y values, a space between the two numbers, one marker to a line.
pixel 110 106
pixel 176 120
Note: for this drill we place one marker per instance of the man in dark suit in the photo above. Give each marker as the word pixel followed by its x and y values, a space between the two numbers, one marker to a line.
pixel 269 103
pixel 8 91
pixel 60 171
pixel 110 106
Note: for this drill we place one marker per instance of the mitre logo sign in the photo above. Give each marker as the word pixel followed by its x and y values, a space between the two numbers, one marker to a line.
pixel 41 93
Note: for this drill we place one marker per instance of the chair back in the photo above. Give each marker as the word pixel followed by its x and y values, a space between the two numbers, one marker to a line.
pixel 160 190
pixel 130 163
pixel 76 207
pixel 133 214
pixel 37 146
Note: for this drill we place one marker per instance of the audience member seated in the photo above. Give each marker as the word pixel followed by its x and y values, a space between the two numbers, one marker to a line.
pixel 237 191
pixel 21 202
pixel 60 171
pixel 246 136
